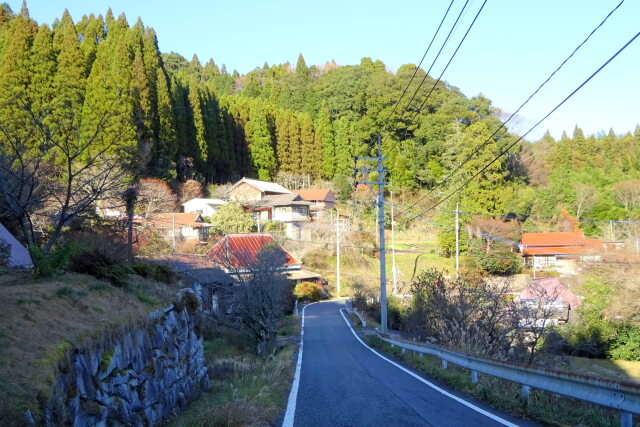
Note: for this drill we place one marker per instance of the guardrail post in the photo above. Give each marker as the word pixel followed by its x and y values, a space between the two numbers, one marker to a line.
pixel 525 390
pixel 444 364
pixel 404 350
pixel 626 419
pixel 474 377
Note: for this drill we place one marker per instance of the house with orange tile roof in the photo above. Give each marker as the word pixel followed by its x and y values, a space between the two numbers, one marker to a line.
pixel 178 225
pixel 558 250
pixel 322 200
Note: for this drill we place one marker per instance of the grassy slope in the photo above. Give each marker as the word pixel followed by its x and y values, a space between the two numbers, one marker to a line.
pixel 41 319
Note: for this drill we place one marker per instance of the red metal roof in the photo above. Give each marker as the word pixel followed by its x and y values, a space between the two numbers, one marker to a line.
pixel 558 243
pixel 239 251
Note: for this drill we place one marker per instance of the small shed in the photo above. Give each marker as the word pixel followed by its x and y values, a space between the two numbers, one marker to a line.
pixel 18 255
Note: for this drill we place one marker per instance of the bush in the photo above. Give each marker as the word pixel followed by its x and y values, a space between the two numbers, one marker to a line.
pixel 308 291
pixel 100 265
pixel 45 264
pixel 626 344
pixel 342 186
pixel 159 272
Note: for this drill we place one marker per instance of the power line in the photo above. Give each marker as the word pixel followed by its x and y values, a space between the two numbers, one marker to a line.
pixel 503 124
pixel 453 27
pixel 503 152
pixel 418 66
pixel 445 68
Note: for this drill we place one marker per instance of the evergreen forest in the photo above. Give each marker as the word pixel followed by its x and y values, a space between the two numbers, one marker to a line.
pixel 103 87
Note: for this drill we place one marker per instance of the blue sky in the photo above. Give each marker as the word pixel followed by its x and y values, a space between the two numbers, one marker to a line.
pixel 513 47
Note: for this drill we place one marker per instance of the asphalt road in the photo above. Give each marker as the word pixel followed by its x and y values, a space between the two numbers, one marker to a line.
pixel 342 383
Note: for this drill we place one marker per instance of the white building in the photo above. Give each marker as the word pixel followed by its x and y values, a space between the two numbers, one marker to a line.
pixel 205 207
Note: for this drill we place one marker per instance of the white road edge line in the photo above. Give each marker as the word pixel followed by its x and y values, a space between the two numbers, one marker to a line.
pixel 290 415
pixel 422 380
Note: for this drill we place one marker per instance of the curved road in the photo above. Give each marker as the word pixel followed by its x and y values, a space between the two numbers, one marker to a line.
pixel 342 383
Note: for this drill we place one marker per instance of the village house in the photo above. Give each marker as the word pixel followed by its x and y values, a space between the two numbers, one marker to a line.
pixel 180 226
pixel 322 201
pixel 289 209
pixel 554 299
pixel 236 253
pixel 250 190
pixel 558 250
pixel 206 207
pixel 268 201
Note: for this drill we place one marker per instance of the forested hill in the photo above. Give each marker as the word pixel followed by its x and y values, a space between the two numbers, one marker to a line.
pixel 178 119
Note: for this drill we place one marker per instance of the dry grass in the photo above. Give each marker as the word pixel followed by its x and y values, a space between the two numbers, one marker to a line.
pixel 41 319
pixel 246 390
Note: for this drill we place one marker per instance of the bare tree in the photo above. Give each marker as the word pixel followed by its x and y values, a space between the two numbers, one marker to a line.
pixel 586 198
pixel 155 196
pixel 259 299
pixel 628 193
pixel 480 318
pixel 54 169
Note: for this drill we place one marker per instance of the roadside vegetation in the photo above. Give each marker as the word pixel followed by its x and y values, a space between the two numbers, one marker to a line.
pixel 246 389
pixel 546 408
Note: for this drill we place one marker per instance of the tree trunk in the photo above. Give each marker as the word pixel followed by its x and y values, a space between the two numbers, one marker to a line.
pixel 266 344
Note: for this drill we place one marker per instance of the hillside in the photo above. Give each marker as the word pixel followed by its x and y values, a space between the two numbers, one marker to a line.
pixel 40 320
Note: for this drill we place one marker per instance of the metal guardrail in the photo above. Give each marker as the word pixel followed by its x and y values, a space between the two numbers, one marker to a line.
pixel 624 396
pixel 354 310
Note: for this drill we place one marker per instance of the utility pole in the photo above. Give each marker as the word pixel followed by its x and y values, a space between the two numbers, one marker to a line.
pixel 380 203
pixel 338 252
pixel 457 241
pixel 393 250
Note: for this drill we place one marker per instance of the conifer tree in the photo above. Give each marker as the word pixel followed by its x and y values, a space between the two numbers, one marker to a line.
pixel 195 104
pixel 343 158
pixel 43 70
pixel 283 139
pixel 93 34
pixel 311 152
pixel 261 146
pixel 301 66
pixel 324 138
pixel 166 146
pixel 69 82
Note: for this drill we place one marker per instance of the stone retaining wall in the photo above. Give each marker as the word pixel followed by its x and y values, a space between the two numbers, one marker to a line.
pixel 140 378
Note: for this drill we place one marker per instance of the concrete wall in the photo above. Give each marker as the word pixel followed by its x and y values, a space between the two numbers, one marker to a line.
pixel 138 376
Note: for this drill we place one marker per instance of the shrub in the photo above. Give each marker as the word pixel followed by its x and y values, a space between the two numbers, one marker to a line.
pixel 159 272
pixel 308 291
pixel 317 259
pixel 100 265
pixel 45 264
pixel 342 186
pixel 626 344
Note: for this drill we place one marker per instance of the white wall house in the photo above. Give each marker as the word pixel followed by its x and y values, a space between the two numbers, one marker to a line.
pixel 205 207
